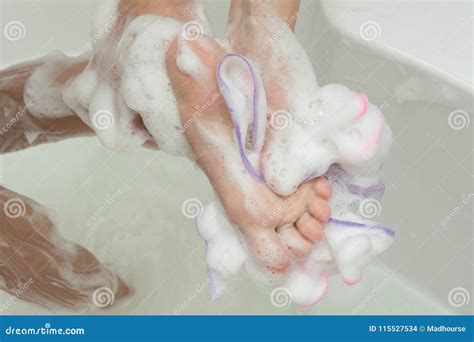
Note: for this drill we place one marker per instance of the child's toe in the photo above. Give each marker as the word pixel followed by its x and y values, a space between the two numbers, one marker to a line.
pixel 322 188
pixel 320 210
pixel 310 228
pixel 299 245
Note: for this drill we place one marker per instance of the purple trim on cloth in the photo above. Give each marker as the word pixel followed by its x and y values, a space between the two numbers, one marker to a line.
pixel 385 228
pixel 346 223
pixel 225 91
pixel 350 224
pixel 211 282
pixel 374 191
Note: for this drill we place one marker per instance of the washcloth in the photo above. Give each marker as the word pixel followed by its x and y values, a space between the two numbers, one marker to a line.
pixel 347 143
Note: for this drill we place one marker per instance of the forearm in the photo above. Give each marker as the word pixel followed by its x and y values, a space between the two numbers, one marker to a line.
pixel 18 127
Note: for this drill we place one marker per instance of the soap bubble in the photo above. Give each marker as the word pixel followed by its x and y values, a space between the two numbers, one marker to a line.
pixel 192 208
pixel 14 30
pixel 280 119
pixel 280 297
pixel 316 104
pixel 14 208
pixel 370 30
pixel 459 119
pixel 313 105
pixel 103 119
pixel 370 208
pixel 192 30
pixel 102 297
pixel 459 296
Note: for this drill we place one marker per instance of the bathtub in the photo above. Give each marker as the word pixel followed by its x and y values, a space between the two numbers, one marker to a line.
pixel 127 207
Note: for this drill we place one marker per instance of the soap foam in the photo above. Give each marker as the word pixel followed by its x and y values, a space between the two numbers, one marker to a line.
pixel 97 90
pixel 126 83
pixel 43 92
pixel 145 85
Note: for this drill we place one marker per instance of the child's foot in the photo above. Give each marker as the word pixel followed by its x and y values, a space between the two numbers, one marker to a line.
pixel 277 229
pixel 263 32
pixel 310 127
